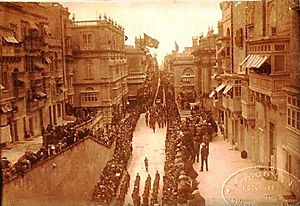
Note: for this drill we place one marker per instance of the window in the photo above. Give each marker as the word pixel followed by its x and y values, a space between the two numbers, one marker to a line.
pixel 89 39
pixel 89 97
pixel 279 47
pixel 293 113
pixel 89 69
pixel 237 81
pixel 85 40
pixel 4 77
pixel 279 63
pixel 237 91
pixel 59 110
pixel 289 116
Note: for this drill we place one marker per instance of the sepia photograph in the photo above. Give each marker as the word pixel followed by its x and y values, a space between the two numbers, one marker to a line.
pixel 150 103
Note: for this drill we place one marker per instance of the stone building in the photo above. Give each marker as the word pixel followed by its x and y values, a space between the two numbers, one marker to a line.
pixel 32 92
pixel 204 51
pixel 100 66
pixel 136 65
pixel 183 72
pixel 258 60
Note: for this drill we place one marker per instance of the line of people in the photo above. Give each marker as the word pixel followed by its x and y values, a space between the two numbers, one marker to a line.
pixel 155 188
pixel 146 193
pixel 156 114
pixel 106 188
pixel 55 139
pixel 179 181
pixel 123 190
pixel 136 198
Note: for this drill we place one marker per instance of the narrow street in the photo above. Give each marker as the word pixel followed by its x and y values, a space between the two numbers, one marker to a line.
pixel 150 145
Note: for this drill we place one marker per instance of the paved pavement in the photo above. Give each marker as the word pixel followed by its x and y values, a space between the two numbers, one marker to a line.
pixel 14 151
pixel 150 145
pixel 222 163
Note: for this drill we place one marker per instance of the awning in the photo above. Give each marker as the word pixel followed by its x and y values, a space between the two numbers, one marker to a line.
pixel 220 87
pixel 39 65
pixel 254 61
pixel 213 92
pixel 41 94
pixel 220 50
pixel 214 76
pixel 48 60
pixel 11 39
pixel 2 87
pixel 227 89
pixel 6 108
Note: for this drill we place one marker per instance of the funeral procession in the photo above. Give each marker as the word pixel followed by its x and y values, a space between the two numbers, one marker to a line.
pixel 150 103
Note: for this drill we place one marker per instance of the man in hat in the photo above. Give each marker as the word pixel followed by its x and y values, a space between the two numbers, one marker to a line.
pixel 204 155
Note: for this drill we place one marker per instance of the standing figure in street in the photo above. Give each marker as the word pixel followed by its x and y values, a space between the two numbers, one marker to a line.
pixel 147 117
pixel 146 163
pixel 204 155
pixel 196 145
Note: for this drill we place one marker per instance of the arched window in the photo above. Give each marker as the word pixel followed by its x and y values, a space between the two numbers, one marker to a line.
pixel 188 72
pixel 89 89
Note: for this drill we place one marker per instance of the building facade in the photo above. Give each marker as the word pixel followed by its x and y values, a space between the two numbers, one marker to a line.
pixel 136 65
pixel 258 62
pixel 32 93
pixel 204 51
pixel 100 66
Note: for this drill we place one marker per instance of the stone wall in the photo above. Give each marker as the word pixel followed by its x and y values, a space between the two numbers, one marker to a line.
pixel 65 179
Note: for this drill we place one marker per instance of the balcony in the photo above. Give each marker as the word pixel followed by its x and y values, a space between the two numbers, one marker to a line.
pixel 248 111
pixel 46 74
pixel 70 91
pixel 269 85
pixel 35 105
pixel 233 104
pixel 35 74
pixel 10 51
pixel 19 91
pixel 58 97
pixel 35 43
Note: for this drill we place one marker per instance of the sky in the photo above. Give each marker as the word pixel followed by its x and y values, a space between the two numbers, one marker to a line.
pixel 165 20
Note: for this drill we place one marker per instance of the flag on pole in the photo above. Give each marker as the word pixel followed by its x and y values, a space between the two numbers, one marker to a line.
pixel 176 46
pixel 150 42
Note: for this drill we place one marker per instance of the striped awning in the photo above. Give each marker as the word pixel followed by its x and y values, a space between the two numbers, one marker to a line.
pixel 254 61
pixel 41 94
pixel 6 108
pixel 11 39
pixel 227 89
pixel 48 60
pixel 220 87
pixel 39 65
pixel 213 92
pixel 220 50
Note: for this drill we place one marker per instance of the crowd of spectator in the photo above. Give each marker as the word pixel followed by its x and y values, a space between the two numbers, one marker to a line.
pixel 106 188
pixel 179 179
pixel 55 139
pixel 123 190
